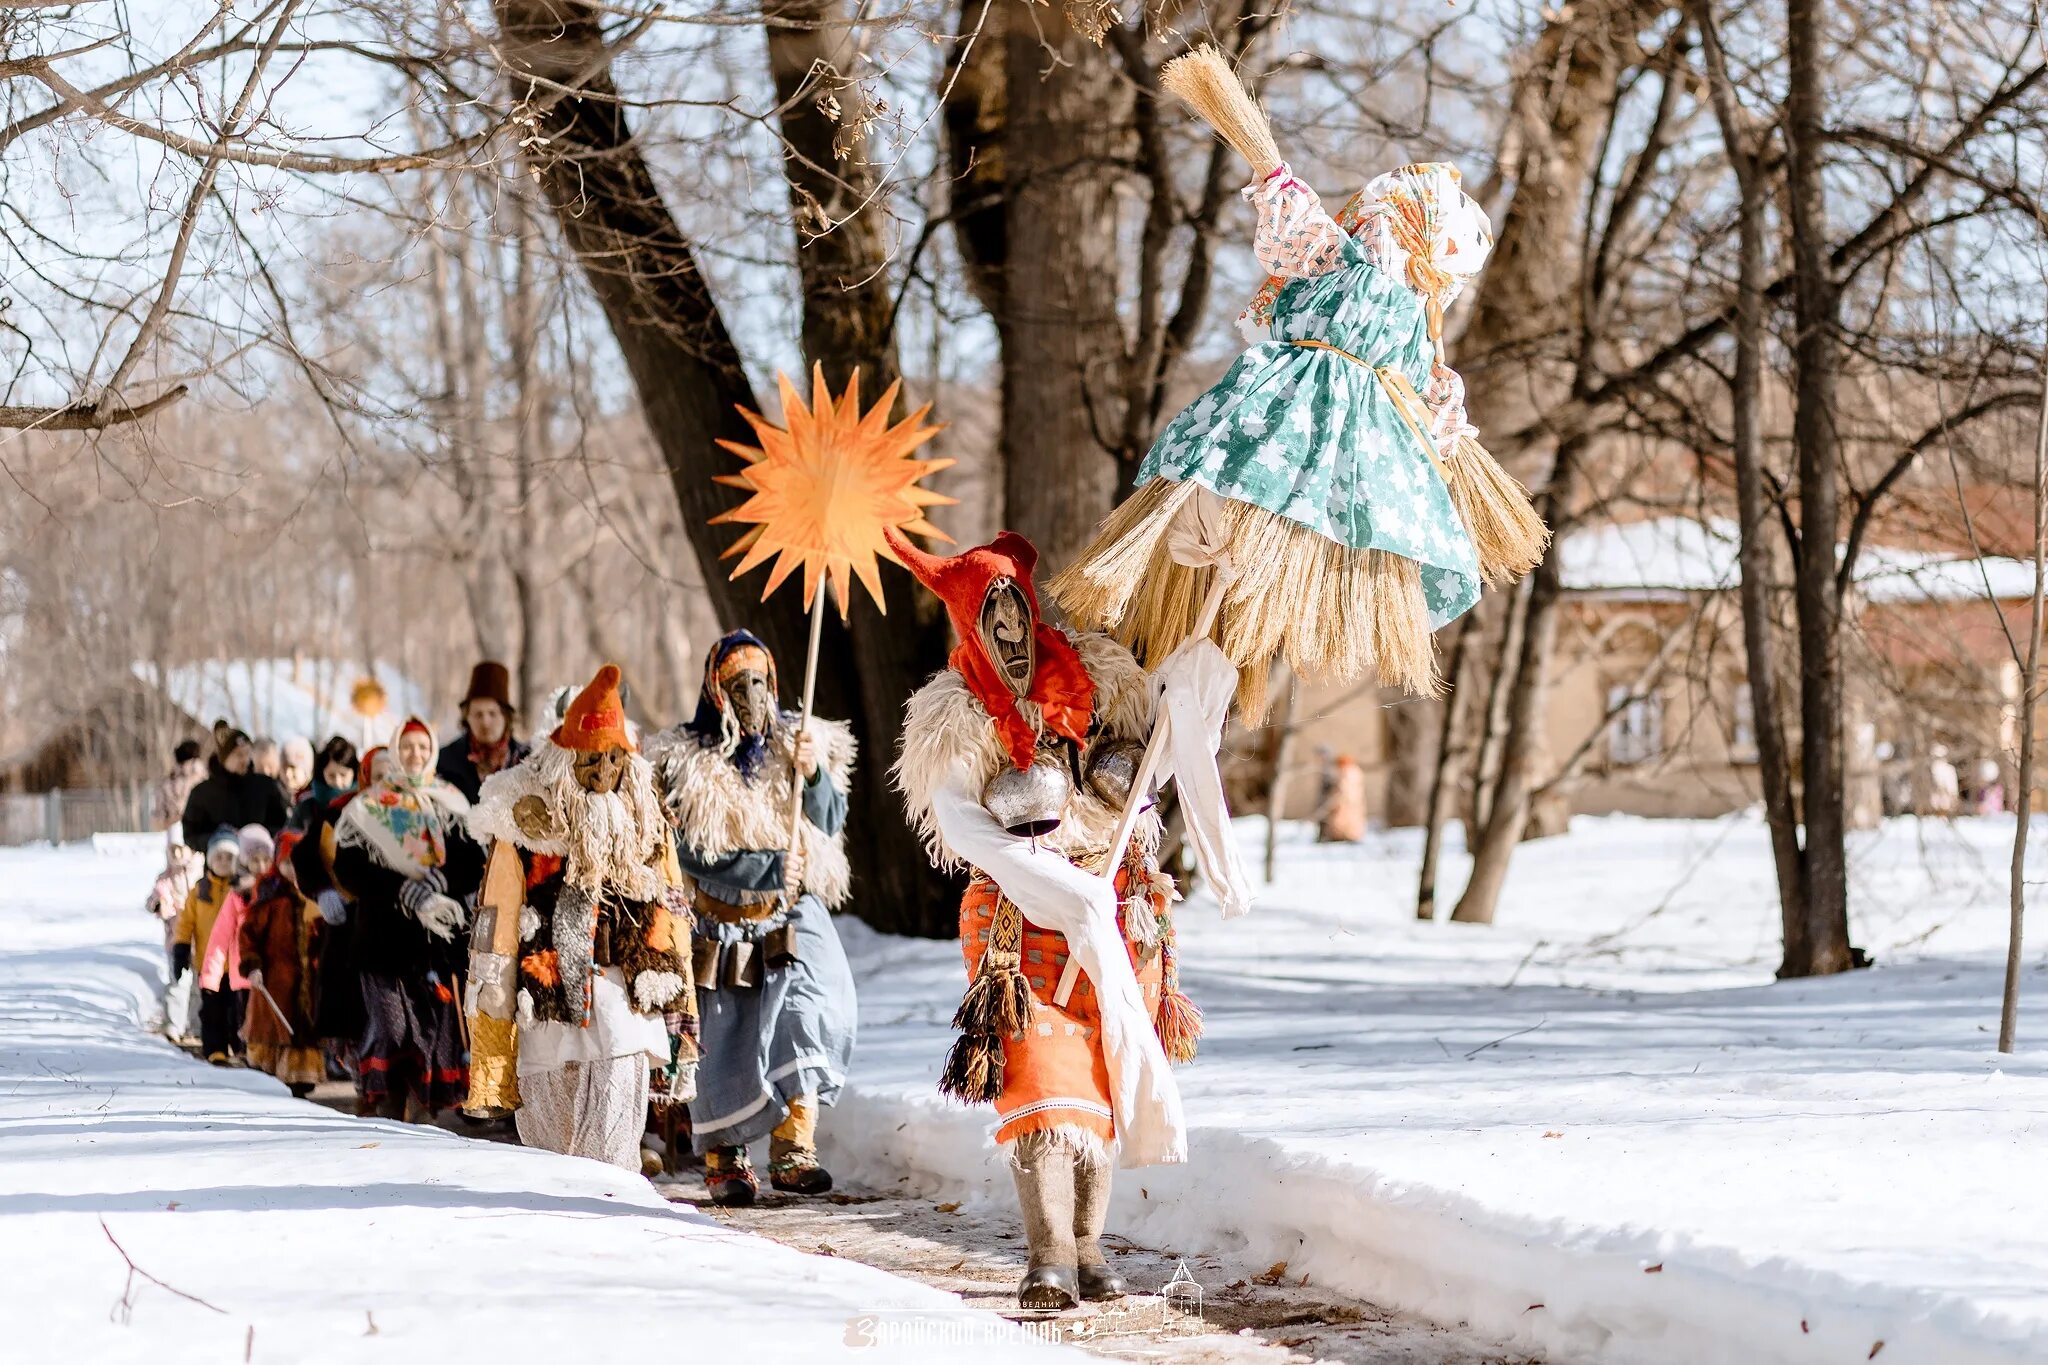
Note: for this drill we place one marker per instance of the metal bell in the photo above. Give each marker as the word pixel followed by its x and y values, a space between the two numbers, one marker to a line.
pixel 1111 768
pixel 1030 802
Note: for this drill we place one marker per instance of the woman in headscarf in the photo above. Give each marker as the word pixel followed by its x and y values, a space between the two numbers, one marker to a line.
pixel 402 851
pixel 774 993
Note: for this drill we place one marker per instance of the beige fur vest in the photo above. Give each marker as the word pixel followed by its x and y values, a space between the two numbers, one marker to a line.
pixel 718 812
pixel 945 722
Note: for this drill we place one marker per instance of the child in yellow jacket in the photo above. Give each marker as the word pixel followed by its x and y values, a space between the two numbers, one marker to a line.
pixel 220 1021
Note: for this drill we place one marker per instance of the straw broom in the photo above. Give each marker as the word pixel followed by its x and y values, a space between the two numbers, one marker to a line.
pixel 1506 532
pixel 1205 83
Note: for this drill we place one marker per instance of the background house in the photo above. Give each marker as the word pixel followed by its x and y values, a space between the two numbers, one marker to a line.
pixel 1648 712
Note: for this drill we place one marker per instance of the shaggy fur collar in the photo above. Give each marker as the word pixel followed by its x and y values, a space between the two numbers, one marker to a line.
pixel 618 841
pixel 718 812
pixel 944 721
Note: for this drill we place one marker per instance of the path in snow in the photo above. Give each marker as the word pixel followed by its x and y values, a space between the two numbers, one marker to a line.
pixel 1249 1316
pixel 157 1210
pixel 1597 1129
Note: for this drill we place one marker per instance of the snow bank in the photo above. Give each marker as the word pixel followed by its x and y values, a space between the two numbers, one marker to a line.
pixel 1596 1129
pixel 278 1231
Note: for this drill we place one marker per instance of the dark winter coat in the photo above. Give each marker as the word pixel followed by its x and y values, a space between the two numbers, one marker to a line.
pixel 390 942
pixel 233 800
pixel 457 767
pixel 338 998
pixel 277 938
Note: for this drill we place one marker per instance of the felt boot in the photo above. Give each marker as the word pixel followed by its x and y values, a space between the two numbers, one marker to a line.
pixel 729 1175
pixel 793 1151
pixel 1092 1177
pixel 1044 1173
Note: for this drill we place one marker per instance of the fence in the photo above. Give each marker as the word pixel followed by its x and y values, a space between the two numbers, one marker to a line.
pixel 60 816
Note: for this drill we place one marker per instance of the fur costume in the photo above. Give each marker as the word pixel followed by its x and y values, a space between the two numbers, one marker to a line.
pixel 1033 1051
pixel 580 946
pixel 1057 1027
pixel 774 990
pixel 721 810
pixel 945 724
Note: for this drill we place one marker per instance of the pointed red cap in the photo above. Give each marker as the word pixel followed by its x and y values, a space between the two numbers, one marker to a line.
pixel 597 718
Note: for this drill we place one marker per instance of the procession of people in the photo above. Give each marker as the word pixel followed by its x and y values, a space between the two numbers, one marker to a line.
pixel 567 936
pixel 603 939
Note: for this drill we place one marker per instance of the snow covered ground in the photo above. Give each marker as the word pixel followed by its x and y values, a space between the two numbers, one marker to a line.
pixel 1597 1129
pixel 267 1230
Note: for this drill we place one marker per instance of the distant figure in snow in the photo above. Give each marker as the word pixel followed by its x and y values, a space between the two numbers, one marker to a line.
pixel 188 769
pixel 485 745
pixel 333 775
pixel 276 950
pixel 1343 814
pixel 1944 790
pixel 1990 788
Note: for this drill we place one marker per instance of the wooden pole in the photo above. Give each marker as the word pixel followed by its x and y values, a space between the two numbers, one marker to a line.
pixel 1155 746
pixel 1141 785
pixel 796 776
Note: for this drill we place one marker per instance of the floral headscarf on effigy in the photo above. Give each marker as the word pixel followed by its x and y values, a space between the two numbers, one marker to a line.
pixel 1418 222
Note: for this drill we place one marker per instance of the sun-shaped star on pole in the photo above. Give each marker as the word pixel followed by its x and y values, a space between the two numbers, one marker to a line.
pixel 825 484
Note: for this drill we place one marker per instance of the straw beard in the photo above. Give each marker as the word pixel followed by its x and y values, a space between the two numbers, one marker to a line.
pixel 607 837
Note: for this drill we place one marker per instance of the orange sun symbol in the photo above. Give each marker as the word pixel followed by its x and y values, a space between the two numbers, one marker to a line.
pixel 825 484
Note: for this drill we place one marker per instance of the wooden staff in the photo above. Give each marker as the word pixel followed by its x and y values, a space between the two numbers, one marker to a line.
pixel 796 774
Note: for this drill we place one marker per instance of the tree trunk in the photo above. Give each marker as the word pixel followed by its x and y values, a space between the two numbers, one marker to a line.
pixel 848 325
pixel 688 374
pixel 1061 337
pixel 1774 767
pixel 1824 946
pixel 849 314
pixel 1283 759
pixel 1508 812
pixel 1414 755
pixel 1445 771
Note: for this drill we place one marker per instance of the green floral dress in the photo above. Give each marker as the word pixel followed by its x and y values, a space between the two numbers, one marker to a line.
pixel 1315 435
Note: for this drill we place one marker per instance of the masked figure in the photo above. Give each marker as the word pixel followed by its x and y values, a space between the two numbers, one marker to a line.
pixel 773 988
pixel 579 976
pixel 1016 761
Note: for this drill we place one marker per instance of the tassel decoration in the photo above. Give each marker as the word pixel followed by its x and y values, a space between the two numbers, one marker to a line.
pixel 1179 1021
pixel 974 1069
pixel 1508 535
pixel 997 1005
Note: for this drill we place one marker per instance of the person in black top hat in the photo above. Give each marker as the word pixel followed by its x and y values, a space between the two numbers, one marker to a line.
pixel 485 745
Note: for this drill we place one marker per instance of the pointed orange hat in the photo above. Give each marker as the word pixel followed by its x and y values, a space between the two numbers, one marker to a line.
pixel 597 718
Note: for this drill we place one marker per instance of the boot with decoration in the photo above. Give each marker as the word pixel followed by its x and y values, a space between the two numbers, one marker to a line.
pixel 793 1151
pixel 729 1175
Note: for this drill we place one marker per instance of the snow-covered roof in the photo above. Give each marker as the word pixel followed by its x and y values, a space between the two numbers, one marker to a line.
pixel 280 698
pixel 1670 556
pixel 1657 556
